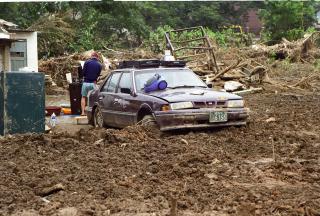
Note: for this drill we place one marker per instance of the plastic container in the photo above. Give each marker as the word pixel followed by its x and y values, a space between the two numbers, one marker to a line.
pixel 66 111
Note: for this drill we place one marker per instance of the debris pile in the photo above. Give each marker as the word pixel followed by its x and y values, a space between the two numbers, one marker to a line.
pixel 238 68
pixel 51 86
pixel 304 50
pixel 57 68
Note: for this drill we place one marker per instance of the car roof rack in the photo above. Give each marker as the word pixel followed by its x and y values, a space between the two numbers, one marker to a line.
pixel 150 63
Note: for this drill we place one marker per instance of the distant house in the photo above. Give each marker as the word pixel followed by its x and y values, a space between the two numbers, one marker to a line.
pixel 18 48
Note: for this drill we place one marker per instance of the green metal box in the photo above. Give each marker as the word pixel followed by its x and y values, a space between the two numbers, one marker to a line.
pixel 22 102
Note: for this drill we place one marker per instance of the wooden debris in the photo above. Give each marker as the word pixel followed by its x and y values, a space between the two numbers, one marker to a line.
pixel 184 141
pixel 271 119
pixel 81 120
pixel 306 79
pixel 248 91
pixel 50 190
pixel 173 207
pixel 224 71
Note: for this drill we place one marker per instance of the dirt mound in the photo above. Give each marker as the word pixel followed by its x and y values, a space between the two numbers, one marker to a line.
pixel 269 167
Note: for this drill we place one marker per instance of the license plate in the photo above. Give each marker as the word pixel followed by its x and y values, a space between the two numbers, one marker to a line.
pixel 218 117
pixel 181 105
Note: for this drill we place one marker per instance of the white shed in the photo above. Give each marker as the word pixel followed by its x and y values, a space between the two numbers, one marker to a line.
pixel 18 48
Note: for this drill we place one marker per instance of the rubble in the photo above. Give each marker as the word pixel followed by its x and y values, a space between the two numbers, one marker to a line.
pixel 249 66
pixel 57 68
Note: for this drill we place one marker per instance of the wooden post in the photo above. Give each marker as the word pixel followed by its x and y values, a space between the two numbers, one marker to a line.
pixel 173 207
pixel 6 58
pixel 1 57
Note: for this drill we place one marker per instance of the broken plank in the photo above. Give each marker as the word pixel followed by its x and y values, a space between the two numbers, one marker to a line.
pixel 204 48
pixel 186 41
pixel 50 190
pixel 81 120
pixel 191 56
pixel 248 91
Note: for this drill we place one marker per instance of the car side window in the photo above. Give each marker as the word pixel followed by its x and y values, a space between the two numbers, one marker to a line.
pixel 125 82
pixel 112 85
pixel 106 84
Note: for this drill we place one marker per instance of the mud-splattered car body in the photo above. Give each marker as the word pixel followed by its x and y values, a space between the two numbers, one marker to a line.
pixel 187 102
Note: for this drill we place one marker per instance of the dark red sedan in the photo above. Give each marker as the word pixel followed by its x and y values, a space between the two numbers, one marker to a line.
pixel 185 102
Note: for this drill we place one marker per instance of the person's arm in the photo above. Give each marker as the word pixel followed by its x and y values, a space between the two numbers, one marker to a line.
pixel 85 66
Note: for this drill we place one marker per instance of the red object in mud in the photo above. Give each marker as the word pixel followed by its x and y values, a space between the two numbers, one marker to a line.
pixel 53 109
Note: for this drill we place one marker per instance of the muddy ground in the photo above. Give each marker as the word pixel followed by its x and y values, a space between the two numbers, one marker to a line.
pixel 270 167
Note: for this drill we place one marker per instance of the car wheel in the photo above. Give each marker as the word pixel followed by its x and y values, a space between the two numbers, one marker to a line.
pixel 98 118
pixel 149 121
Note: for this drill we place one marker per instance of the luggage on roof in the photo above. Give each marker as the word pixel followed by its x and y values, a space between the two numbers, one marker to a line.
pixel 150 63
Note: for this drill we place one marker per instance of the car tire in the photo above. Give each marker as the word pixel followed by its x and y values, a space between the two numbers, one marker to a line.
pixel 148 121
pixel 98 118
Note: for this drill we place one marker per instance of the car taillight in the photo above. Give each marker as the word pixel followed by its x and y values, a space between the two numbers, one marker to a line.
pixel 165 107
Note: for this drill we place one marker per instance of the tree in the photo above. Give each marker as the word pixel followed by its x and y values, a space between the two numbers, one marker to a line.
pixel 25 14
pixel 287 19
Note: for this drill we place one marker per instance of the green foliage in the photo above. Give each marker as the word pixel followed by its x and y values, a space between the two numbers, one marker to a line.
pixel 230 37
pixel 25 14
pixel 85 35
pixel 54 33
pixel 156 40
pixel 116 24
pixel 287 19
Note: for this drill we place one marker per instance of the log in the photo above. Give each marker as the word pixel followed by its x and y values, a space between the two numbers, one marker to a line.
pixel 224 71
pixel 248 91
pixel 50 190
pixel 312 76
pixel 173 207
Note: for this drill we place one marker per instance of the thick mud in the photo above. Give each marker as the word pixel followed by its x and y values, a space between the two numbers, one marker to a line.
pixel 270 167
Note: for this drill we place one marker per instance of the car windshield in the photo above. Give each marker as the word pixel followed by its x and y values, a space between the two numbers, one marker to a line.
pixel 176 78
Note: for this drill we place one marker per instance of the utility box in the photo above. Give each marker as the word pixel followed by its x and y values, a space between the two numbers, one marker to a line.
pixel 22 102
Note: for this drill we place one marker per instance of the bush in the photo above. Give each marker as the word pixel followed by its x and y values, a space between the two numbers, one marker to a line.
pixel 287 19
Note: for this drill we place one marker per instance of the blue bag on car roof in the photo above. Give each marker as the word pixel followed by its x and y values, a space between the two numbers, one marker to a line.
pixel 155 83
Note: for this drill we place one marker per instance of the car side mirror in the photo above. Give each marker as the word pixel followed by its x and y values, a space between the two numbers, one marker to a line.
pixel 210 85
pixel 125 90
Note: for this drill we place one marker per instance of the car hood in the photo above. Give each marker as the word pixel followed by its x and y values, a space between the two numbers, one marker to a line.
pixel 193 94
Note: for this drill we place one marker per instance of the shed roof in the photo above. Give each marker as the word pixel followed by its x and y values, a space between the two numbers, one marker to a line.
pixel 7 24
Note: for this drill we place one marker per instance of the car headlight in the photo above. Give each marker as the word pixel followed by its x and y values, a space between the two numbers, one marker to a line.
pixel 235 103
pixel 181 105
pixel 165 107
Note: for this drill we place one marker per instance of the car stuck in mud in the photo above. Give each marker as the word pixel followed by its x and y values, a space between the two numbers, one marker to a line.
pixel 162 93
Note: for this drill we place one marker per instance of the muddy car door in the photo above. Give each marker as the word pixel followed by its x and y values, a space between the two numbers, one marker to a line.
pixel 126 107
pixel 107 97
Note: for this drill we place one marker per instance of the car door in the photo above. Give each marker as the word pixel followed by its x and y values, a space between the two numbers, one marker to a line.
pixel 107 100
pixel 125 99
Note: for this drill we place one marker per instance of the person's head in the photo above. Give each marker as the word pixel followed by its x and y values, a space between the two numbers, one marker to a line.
pixel 94 55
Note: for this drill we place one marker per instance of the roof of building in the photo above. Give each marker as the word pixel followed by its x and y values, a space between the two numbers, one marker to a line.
pixel 7 24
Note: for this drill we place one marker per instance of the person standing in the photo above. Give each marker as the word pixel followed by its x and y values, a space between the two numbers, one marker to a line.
pixel 91 71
